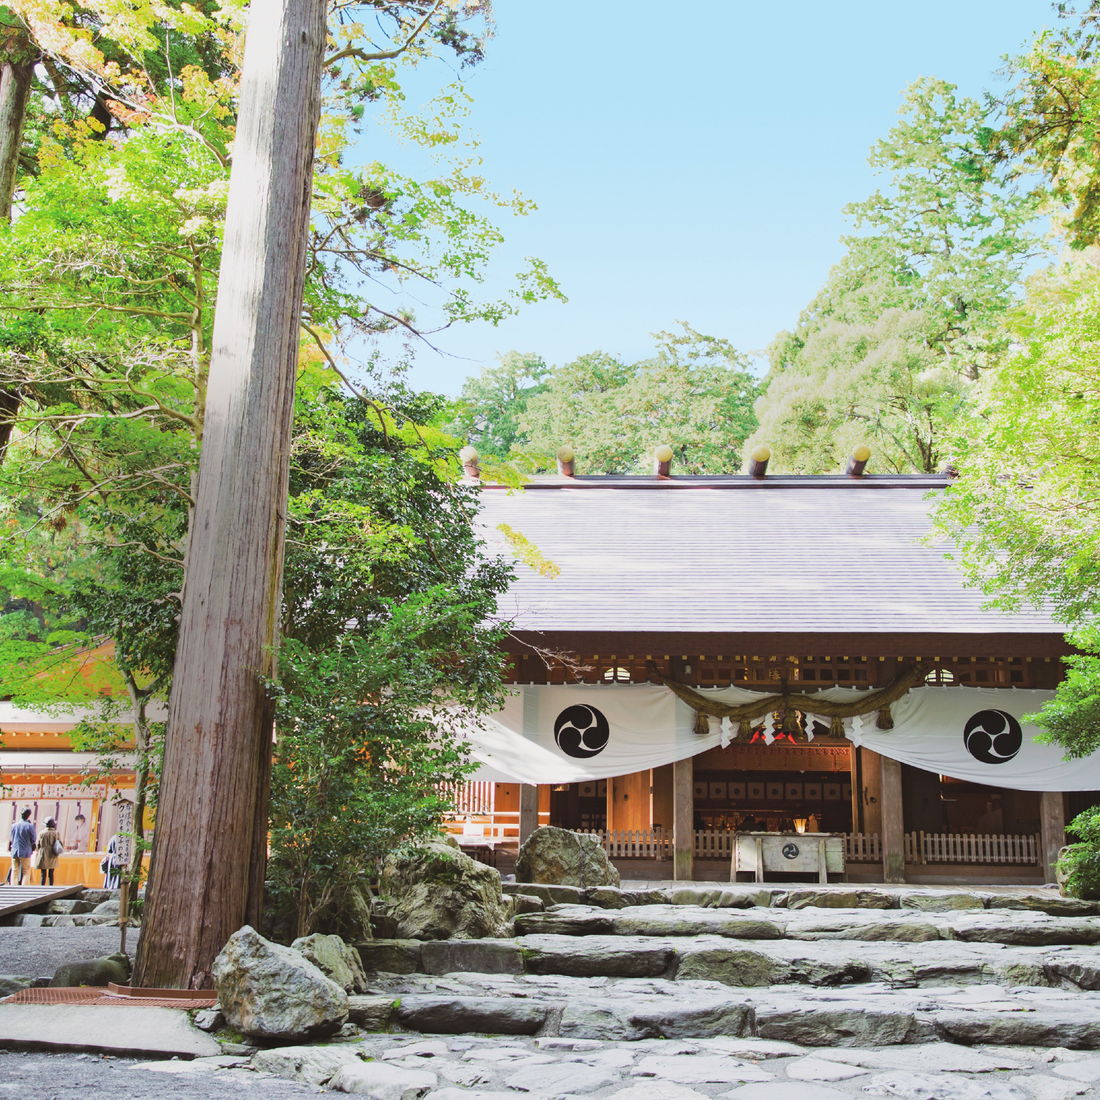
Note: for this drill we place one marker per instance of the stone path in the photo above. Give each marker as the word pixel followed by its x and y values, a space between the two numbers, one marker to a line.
pixel 697 991
pixel 492 1068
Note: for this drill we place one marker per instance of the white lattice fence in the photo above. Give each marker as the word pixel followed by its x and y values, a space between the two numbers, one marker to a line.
pixel 713 843
pixel 862 848
pixel 978 848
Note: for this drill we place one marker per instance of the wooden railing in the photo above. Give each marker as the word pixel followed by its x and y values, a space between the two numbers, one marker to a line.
pixel 717 844
pixel 713 843
pixel 977 848
pixel 862 848
pixel 471 799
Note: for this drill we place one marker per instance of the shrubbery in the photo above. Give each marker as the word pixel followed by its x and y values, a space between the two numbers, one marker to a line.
pixel 1080 862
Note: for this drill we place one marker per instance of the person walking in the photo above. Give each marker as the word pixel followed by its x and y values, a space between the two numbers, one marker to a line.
pixel 21 844
pixel 49 850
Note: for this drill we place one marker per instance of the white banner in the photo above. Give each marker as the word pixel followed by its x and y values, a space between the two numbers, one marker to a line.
pixel 977 734
pixel 563 734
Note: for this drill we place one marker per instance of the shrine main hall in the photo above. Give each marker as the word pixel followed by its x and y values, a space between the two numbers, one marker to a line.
pixel 694 658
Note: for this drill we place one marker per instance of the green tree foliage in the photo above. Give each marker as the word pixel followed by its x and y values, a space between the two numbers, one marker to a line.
pixel 889 349
pixel 1023 510
pixel 695 394
pixel 1080 862
pixel 390 646
pixel 1050 121
pixel 488 411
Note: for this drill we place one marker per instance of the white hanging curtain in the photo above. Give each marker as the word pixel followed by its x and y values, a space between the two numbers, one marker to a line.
pixel 564 734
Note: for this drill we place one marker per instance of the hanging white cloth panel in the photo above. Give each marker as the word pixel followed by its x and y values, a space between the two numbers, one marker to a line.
pixel 563 734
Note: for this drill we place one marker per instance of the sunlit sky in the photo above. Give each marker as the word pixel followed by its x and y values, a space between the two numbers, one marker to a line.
pixel 691 162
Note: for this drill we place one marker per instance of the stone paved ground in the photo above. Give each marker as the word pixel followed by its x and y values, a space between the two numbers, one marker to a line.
pixel 674 998
pixel 492 1068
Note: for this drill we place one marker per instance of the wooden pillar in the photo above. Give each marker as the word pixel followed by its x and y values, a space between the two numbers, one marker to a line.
pixel 528 810
pixel 683 819
pixel 893 822
pixel 1052 831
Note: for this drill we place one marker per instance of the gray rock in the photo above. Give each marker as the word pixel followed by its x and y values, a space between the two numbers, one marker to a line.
pixel 658 1090
pixel 458 1015
pixel 1087 1070
pixel 1049 1088
pixel 566 921
pixel 371 1013
pixel 700 1017
pixel 732 966
pixel 560 857
pixel 655 920
pixel 547 894
pixel 526 903
pixel 595 956
pixel 381 1081
pixel 725 897
pixel 313 1064
pixel 841 899
pixel 464 1094
pixel 479 956
pixel 208 1019
pixel 1044 903
pixel 946 1057
pixel 71 905
pixel 700 1069
pixel 785 1090
pixel 940 902
pixel 439 893
pixel 10 984
pixel 97 972
pixel 390 956
pixel 334 958
pixel 273 993
pixel 838 1027
pixel 558 1079
pixel 820 1069
pixel 1021 1028
pixel 941 1086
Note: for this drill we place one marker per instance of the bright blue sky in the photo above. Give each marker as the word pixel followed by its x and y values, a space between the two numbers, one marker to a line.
pixel 691 162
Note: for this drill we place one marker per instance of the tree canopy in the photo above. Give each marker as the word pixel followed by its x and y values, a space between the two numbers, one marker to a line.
pixel 694 394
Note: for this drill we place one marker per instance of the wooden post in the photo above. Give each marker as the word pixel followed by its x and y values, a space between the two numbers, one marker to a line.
pixel 683 819
pixel 528 810
pixel 893 822
pixel 1052 831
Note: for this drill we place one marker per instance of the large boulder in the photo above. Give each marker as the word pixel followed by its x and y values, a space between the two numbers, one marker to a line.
pixel 439 893
pixel 274 994
pixel 98 972
pixel 335 959
pixel 557 856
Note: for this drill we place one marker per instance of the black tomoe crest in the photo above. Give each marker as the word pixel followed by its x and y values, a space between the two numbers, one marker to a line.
pixel 581 731
pixel 993 736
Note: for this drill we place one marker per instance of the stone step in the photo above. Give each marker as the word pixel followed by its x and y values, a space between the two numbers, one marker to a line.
pixel 745 963
pixel 628 1009
pixel 837 896
pixel 1005 926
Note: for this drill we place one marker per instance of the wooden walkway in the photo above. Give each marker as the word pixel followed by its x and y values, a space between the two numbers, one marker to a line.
pixel 14 899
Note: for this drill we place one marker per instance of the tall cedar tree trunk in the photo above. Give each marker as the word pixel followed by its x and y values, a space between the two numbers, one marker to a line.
pixel 17 58
pixel 207 871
